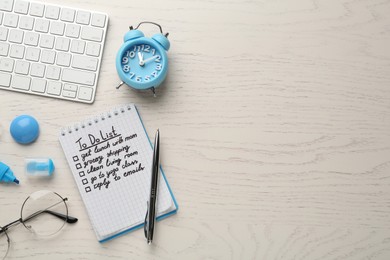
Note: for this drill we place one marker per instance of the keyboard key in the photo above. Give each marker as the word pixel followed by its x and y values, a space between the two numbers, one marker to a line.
pixel 17 51
pixel 37 9
pixel 83 17
pixel 77 46
pixel 57 28
pixel 52 12
pixel 72 30
pixel 48 56
pixel 7 65
pixel 4 47
pixel 62 44
pixel 63 59
pixel 16 36
pixel 98 20
pixel 78 77
pixel 6 5
pixel 68 94
pixel 85 93
pixel 21 7
pixel 31 39
pixel 38 85
pixel 1 17
pixel 67 15
pixel 47 41
pixel 22 67
pixel 92 34
pixel 11 20
pixel 54 88
pixel 26 23
pixel 53 72
pixel 21 82
pixel 3 33
pixel 42 25
pixel 70 87
pixel 37 70
pixel 32 54
pixel 5 79
pixel 84 62
pixel 93 49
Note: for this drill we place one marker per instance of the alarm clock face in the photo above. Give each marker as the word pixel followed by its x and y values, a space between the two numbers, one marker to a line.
pixel 144 64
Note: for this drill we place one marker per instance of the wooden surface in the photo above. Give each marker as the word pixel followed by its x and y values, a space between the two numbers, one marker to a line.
pixel 275 122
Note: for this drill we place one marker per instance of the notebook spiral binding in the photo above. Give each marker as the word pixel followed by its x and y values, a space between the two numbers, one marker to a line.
pixel 95 120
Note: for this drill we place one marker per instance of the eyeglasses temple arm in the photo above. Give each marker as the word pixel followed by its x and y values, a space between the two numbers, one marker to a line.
pixel 16 222
pixel 68 219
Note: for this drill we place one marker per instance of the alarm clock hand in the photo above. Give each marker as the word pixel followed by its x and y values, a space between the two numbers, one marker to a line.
pixel 141 59
pixel 150 59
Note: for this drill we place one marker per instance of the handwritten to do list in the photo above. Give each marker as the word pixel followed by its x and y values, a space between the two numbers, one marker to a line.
pixel 104 155
pixel 110 157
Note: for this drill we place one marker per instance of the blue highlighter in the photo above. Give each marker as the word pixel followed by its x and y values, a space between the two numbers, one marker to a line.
pixel 24 129
pixel 6 174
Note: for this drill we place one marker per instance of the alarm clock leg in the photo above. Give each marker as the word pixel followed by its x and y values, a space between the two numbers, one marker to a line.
pixel 154 92
pixel 120 84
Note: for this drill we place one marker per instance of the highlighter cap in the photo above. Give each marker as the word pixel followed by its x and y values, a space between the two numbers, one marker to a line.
pixel 39 167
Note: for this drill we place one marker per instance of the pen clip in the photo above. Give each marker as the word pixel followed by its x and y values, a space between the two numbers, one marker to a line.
pixel 146 225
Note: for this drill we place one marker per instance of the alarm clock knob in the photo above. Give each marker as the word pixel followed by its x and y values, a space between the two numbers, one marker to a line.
pixel 133 34
pixel 162 40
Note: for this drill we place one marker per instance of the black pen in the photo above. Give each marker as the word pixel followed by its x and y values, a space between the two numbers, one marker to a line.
pixel 150 217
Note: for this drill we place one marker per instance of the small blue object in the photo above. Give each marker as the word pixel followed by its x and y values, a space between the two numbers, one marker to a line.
pixel 142 62
pixel 39 167
pixel 6 175
pixel 24 129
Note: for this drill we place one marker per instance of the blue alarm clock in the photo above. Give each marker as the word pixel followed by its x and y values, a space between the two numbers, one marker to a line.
pixel 142 62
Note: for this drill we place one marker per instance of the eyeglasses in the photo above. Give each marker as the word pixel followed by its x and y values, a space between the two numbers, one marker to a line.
pixel 44 213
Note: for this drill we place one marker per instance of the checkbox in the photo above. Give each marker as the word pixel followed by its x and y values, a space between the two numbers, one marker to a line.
pixel 87 189
pixel 78 166
pixel 85 181
pixel 82 174
pixel 75 158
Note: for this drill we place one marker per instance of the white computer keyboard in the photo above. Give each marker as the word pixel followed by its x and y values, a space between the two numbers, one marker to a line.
pixel 50 50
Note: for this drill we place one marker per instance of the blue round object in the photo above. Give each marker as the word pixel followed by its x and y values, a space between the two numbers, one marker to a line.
pixel 24 129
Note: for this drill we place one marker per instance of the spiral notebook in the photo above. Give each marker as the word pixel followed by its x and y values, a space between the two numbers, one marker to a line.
pixel 110 156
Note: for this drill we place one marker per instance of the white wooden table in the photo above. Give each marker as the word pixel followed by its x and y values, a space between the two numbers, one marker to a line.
pixel 275 123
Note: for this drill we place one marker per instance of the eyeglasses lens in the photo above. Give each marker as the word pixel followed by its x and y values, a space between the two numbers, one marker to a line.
pixel 4 244
pixel 41 213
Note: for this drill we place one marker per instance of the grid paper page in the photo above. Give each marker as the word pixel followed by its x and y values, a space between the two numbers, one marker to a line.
pixel 110 157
